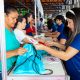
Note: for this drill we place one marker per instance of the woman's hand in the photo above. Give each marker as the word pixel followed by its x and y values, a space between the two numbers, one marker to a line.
pixel 40 40
pixel 55 39
pixel 39 47
pixel 21 51
pixel 50 43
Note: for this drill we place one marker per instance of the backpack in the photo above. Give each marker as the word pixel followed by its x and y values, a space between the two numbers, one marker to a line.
pixel 30 62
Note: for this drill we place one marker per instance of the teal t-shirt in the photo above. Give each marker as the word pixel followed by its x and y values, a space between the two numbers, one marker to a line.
pixel 11 44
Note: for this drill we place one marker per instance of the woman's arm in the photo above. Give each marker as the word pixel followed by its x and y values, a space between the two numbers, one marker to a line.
pixel 53 34
pixel 56 44
pixel 16 52
pixel 68 54
pixel 25 40
pixel 61 46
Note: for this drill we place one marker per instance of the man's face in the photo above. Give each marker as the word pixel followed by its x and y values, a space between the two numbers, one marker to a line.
pixel 11 18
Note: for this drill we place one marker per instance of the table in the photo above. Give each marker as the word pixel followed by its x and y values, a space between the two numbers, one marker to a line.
pixel 50 62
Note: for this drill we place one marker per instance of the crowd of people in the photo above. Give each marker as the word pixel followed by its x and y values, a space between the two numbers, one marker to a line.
pixel 65 34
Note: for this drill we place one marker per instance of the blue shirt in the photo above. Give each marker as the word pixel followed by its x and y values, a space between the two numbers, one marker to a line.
pixel 63 36
pixel 60 29
pixel 54 27
pixel 73 65
pixel 27 27
pixel 11 44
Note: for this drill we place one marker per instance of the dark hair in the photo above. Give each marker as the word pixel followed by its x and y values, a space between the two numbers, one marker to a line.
pixel 9 8
pixel 49 23
pixel 33 16
pixel 60 17
pixel 75 16
pixel 20 19
pixel 66 30
pixel 27 15
pixel 41 19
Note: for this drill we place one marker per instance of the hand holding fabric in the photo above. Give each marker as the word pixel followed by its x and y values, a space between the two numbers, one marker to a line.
pixel 21 51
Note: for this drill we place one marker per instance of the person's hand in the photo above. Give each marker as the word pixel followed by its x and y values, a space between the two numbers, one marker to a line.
pixel 55 39
pixel 49 43
pixel 39 46
pixel 40 40
pixel 48 34
pixel 21 51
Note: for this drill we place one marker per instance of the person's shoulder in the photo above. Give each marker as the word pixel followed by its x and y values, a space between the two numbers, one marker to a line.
pixel 7 31
pixel 17 31
pixel 77 36
pixel 62 24
pixel 27 25
pixel 76 42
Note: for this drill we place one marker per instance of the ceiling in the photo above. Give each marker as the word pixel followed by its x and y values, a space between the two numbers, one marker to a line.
pixel 49 6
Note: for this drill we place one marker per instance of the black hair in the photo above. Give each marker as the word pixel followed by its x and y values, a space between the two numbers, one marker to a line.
pixel 66 29
pixel 49 23
pixel 41 19
pixel 33 16
pixel 60 17
pixel 9 8
pixel 27 15
pixel 20 19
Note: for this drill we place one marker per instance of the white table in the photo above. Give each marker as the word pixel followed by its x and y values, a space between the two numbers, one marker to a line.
pixel 52 63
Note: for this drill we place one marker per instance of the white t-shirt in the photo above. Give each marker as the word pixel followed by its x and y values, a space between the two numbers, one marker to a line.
pixel 19 35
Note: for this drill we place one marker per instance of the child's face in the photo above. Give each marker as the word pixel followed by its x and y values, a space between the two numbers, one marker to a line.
pixel 59 22
pixel 23 23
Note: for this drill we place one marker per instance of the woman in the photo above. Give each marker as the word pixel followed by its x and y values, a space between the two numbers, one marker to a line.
pixel 29 18
pixel 13 48
pixel 71 55
pixel 31 30
pixel 32 26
